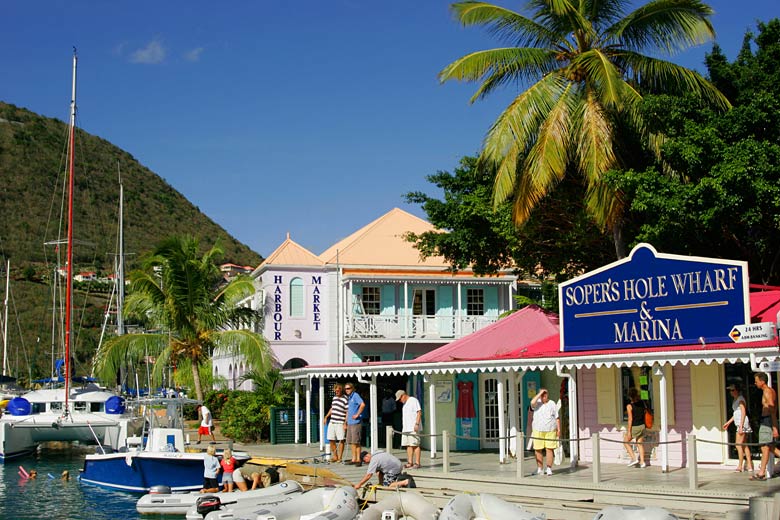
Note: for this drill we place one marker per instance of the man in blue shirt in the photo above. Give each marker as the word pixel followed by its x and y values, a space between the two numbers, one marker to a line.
pixel 354 422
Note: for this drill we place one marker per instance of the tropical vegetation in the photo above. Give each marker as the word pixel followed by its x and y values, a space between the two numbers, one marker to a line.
pixel 180 297
pixel 587 65
pixel 31 167
pixel 725 202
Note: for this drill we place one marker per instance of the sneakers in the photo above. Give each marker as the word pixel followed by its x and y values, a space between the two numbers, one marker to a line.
pixel 539 471
pixel 548 472
pixel 633 463
pixel 643 465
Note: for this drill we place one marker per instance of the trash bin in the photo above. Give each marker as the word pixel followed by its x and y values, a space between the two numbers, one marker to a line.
pixel 283 424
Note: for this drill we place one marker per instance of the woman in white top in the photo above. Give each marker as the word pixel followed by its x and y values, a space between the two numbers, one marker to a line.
pixel 742 423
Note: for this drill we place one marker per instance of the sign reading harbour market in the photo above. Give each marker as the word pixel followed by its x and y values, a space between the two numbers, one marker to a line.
pixel 652 299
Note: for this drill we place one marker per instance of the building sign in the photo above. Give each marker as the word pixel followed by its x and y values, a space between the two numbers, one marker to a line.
pixel 651 299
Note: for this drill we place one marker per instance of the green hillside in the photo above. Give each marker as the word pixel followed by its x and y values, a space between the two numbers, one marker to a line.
pixel 33 172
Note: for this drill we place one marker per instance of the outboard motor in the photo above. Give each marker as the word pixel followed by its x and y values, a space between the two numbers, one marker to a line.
pixel 160 490
pixel 206 504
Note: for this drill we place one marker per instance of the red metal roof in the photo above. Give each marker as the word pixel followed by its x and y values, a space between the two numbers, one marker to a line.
pixel 524 327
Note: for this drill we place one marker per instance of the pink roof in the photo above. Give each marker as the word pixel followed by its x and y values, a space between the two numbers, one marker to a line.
pixel 382 243
pixel 291 253
pixel 526 326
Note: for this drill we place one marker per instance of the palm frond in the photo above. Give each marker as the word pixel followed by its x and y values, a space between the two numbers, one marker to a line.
pixel 594 151
pixel 497 67
pixel 655 75
pixel 601 76
pixel 547 159
pixel 120 351
pixel 667 25
pixel 603 203
pixel 253 347
pixel 506 25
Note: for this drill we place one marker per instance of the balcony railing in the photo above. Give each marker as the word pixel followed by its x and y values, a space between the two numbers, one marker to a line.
pixel 374 326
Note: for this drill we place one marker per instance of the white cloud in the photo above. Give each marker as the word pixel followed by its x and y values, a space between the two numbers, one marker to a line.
pixel 194 54
pixel 153 53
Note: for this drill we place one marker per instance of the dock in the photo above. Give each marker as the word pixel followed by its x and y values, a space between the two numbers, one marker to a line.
pixel 571 493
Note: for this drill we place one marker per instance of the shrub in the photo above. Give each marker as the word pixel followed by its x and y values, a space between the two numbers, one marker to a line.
pixel 245 418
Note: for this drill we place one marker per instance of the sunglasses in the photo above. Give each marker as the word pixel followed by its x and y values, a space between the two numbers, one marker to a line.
pixel 347 388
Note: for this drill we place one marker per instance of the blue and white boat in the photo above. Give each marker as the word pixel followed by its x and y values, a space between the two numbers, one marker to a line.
pixel 158 457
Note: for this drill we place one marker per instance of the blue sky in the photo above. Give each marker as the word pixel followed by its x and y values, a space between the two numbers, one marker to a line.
pixel 271 116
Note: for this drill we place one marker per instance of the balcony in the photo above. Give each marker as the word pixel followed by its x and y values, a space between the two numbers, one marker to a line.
pixel 398 327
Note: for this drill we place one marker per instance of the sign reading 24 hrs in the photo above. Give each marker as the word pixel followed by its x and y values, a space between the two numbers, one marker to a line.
pixel 653 299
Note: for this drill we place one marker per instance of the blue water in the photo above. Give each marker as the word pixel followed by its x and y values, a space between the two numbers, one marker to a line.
pixel 47 497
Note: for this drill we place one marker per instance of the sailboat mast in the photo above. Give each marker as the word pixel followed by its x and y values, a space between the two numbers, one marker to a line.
pixel 69 259
pixel 120 275
pixel 5 317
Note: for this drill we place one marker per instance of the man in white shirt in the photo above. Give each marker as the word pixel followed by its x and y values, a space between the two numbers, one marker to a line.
pixel 412 425
pixel 206 423
pixel 546 429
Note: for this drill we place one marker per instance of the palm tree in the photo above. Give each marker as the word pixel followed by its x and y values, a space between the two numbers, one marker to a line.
pixel 182 295
pixel 583 64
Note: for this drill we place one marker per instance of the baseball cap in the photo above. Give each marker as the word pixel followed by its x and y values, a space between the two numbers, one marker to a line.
pixel 399 394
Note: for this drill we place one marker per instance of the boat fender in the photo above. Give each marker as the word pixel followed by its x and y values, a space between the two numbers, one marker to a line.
pixel 19 406
pixel 160 489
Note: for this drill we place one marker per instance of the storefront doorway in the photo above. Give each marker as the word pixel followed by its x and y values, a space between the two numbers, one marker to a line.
pixel 740 374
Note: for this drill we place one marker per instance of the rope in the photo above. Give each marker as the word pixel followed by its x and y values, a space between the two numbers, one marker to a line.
pixel 706 441
pixel 654 443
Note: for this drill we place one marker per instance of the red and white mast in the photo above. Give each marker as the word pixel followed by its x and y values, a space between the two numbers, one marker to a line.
pixel 69 257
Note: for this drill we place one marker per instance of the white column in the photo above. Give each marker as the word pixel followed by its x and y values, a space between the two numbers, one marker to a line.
pixel 431 413
pixel 308 412
pixel 374 421
pixel 574 425
pixel 514 406
pixel 321 416
pixel 500 380
pixel 659 372
pixel 406 309
pixel 295 410
pixel 460 312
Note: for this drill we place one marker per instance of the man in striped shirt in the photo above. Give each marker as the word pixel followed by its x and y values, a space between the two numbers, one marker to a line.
pixel 337 429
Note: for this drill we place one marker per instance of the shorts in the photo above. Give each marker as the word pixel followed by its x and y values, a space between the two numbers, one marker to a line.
pixel 410 439
pixel 210 483
pixel 637 432
pixel 336 431
pixel 542 440
pixel 388 479
pixel 204 430
pixel 227 478
pixel 765 435
pixel 354 432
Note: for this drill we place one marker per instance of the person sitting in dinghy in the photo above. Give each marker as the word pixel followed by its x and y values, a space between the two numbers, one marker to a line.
pixel 386 466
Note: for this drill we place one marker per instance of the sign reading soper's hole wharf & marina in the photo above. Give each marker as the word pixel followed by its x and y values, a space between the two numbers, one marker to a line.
pixel 652 299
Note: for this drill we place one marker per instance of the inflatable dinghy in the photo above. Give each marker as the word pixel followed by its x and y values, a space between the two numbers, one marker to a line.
pixel 467 507
pixel 634 513
pixel 316 504
pixel 405 504
pixel 180 503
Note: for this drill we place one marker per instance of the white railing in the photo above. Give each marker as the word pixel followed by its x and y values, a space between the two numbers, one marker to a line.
pixel 396 326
